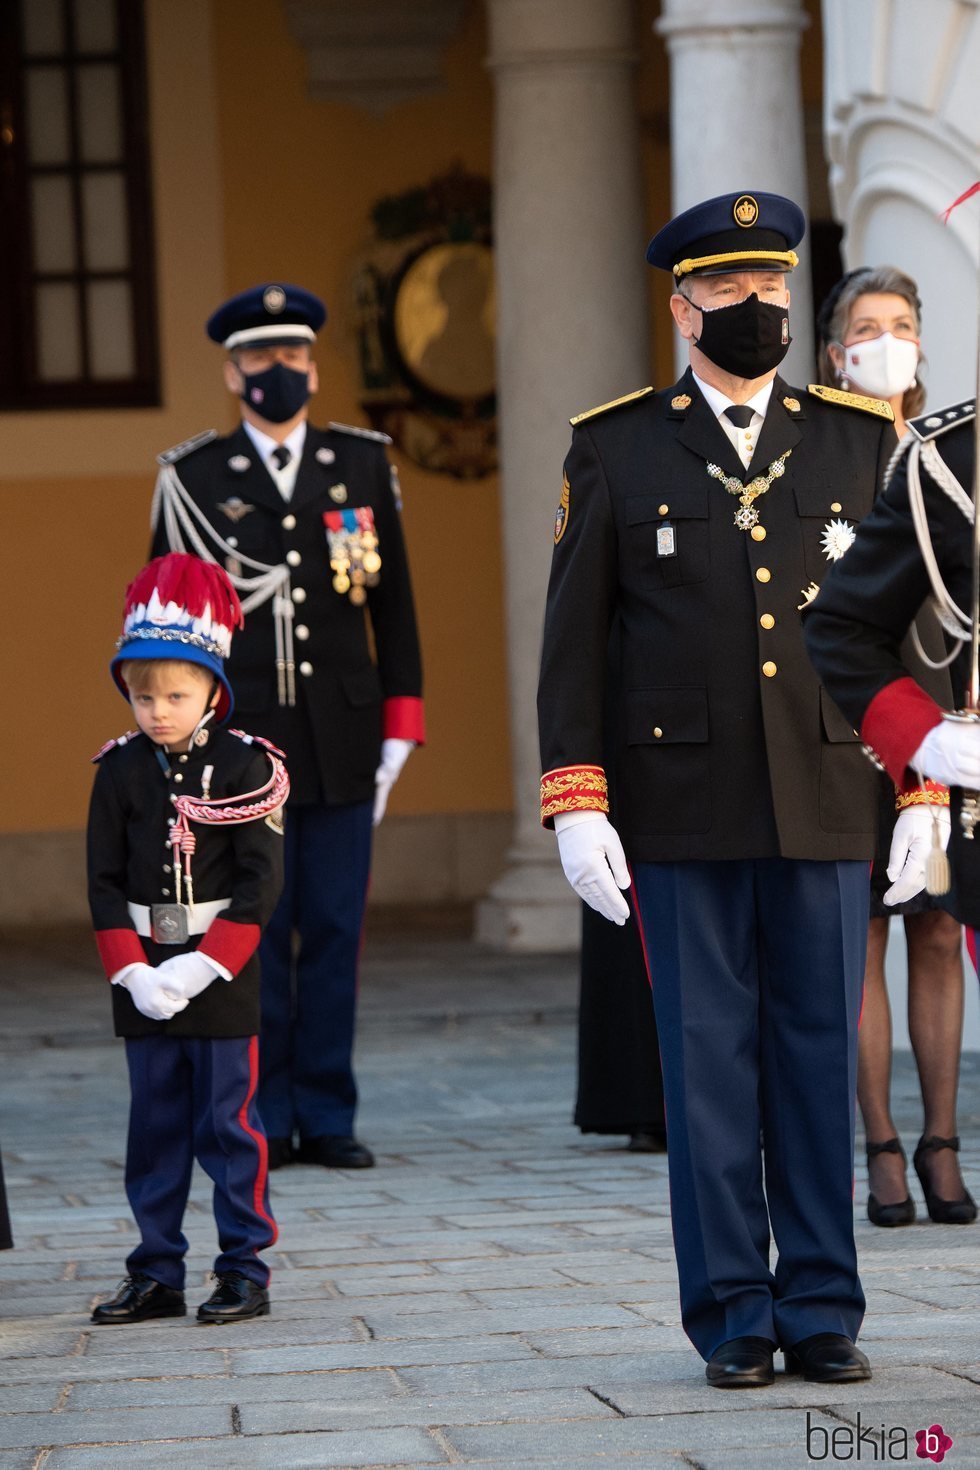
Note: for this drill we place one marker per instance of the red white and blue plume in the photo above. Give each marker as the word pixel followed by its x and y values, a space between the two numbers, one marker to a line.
pixel 180 607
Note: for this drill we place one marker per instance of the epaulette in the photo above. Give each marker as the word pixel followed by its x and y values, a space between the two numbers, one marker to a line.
pixel 259 740
pixel 111 744
pixel 361 433
pixel 877 406
pixel 186 447
pixel 931 425
pixel 592 413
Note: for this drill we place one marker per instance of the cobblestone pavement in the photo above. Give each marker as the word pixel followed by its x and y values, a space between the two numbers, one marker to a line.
pixel 499 1292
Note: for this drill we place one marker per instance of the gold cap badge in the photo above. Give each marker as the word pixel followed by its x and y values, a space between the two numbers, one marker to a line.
pixel 746 211
pixel 683 400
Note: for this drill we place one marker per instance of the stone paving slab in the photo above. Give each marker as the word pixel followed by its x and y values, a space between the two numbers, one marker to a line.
pixel 499 1293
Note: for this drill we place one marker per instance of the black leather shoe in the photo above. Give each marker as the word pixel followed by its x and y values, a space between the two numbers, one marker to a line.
pixel 744 1362
pixel 647 1141
pixel 901 1213
pixel 335 1151
pixel 961 1211
pixel 234 1299
pixel 827 1357
pixel 280 1152
pixel 138 1299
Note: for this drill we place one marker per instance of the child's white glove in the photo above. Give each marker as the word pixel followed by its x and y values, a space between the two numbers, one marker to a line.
pixel 187 974
pixel 150 997
pixel 394 754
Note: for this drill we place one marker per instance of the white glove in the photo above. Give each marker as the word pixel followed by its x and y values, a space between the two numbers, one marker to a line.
pixel 594 862
pixel 950 754
pixel 150 997
pixel 187 974
pixel 911 844
pixel 394 754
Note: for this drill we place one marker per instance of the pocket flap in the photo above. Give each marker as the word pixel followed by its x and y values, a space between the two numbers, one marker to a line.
pixel 362 687
pixel 818 500
pixel 690 502
pixel 836 726
pixel 667 717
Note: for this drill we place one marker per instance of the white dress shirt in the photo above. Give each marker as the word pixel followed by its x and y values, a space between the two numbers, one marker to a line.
pixel 284 478
pixel 744 440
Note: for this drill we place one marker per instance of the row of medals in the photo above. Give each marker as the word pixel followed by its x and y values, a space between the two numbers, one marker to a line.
pixel 355 563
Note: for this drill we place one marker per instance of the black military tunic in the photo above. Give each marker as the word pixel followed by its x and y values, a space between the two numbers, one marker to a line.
pixel 345 700
pixel 130 861
pixel 729 747
pixel 855 628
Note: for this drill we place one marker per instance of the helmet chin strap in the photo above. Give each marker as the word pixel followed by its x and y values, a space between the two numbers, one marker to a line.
pixel 201 733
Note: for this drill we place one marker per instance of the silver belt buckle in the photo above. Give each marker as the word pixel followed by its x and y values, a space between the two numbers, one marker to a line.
pixel 169 923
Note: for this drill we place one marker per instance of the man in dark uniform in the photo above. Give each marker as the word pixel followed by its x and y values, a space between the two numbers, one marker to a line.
pixel 704 516
pixel 306 522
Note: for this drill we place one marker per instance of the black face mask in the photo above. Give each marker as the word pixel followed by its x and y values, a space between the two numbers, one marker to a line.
pixel 277 394
pixel 746 340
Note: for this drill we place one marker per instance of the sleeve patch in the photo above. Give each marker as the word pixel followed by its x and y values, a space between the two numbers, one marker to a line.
pixel 561 519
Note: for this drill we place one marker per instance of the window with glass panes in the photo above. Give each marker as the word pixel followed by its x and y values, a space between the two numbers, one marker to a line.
pixel 77 307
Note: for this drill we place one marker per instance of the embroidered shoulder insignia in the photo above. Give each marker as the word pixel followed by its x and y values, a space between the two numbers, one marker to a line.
pixel 877 406
pixel 259 740
pixel 186 447
pixel 931 425
pixel 791 405
pixel 561 519
pixel 360 433
pixel 111 744
pixel 580 418
pixel 682 401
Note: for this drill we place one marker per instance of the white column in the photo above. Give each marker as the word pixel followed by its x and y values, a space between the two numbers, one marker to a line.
pixel 902 125
pixel 736 122
pixel 572 333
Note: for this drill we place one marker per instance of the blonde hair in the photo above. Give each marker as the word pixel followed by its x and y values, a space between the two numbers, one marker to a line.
pixel 140 674
pixel 835 313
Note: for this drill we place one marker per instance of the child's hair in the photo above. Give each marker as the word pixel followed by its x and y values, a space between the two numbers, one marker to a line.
pixel 139 674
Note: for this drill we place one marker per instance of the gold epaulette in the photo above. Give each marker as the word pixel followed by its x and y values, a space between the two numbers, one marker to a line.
pixel 592 413
pixel 877 406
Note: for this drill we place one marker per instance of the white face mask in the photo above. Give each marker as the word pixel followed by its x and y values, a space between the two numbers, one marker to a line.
pixel 884 366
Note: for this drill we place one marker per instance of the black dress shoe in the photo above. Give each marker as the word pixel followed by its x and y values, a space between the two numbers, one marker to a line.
pixel 827 1357
pixel 138 1299
pixel 961 1211
pixel 744 1362
pixel 335 1151
pixel 280 1152
pixel 234 1299
pixel 901 1213
pixel 647 1141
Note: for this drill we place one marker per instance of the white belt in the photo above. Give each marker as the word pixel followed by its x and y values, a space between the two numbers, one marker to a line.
pixel 199 918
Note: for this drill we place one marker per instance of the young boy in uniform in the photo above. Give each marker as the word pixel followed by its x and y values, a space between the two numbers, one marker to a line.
pixel 184 870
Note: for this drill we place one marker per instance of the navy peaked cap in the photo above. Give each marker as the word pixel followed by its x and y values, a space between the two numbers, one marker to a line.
pixel 733 232
pixel 267 316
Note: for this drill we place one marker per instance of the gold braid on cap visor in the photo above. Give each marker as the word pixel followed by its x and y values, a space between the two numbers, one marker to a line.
pixel 778 259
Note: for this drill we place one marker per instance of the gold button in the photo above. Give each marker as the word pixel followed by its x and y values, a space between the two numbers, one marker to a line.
pixel 769 668
pixel 294 558
pixel 763 574
pixel 758 533
pixel 306 669
pixel 663 510
pixel 289 522
pixel 301 631
pixel 299 594
pixel 767 620
pixel 657 732
pixel 835 506
pixel 178 777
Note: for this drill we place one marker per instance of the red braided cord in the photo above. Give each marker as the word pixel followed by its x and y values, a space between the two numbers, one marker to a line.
pixel 217 811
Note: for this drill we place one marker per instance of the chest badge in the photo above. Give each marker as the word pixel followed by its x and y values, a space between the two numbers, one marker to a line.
pixel 235 509
pixel 325 455
pixel 666 540
pixel 338 494
pixel 838 537
pixel 239 463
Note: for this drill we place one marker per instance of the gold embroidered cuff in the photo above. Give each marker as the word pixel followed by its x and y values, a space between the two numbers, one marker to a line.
pixel 573 789
pixel 932 795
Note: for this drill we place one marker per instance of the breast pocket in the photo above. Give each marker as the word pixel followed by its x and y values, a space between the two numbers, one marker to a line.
pixel 829 516
pixel 667 536
pixel 667 734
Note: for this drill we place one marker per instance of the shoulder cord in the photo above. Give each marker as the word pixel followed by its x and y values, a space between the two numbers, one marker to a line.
pixel 250 806
pixel 179 513
pixel 952 617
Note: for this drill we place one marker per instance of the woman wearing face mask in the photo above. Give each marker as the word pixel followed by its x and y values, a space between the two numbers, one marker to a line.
pixel 869 329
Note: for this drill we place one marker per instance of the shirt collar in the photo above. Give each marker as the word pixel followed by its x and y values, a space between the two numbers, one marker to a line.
pixel 265 445
pixel 717 402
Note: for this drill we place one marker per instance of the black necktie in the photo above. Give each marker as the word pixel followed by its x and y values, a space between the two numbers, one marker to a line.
pixel 282 456
pixel 740 414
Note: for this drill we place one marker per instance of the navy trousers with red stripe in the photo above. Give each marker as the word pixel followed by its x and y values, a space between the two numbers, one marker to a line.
pixel 194 1098
pixel 757 970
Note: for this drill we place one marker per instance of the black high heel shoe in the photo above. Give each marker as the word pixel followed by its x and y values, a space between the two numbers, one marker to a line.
pixel 943 1211
pixel 902 1213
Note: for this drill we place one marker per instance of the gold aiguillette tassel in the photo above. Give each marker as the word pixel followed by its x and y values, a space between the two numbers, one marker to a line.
pixel 937 863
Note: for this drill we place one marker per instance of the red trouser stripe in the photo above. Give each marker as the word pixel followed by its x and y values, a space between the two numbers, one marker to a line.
pixel 262 1172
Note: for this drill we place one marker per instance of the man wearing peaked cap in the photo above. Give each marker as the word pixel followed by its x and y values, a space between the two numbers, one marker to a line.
pixel 306 522
pixel 699 520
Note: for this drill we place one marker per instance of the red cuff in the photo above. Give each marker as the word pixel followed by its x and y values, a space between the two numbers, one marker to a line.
pixel 119 947
pixel 404 719
pixel 896 722
pixel 230 944
pixel 573 789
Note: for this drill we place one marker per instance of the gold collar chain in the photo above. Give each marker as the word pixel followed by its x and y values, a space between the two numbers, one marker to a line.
pixel 747 516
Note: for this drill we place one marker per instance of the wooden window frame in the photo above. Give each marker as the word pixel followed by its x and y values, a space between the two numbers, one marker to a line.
pixel 20 385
